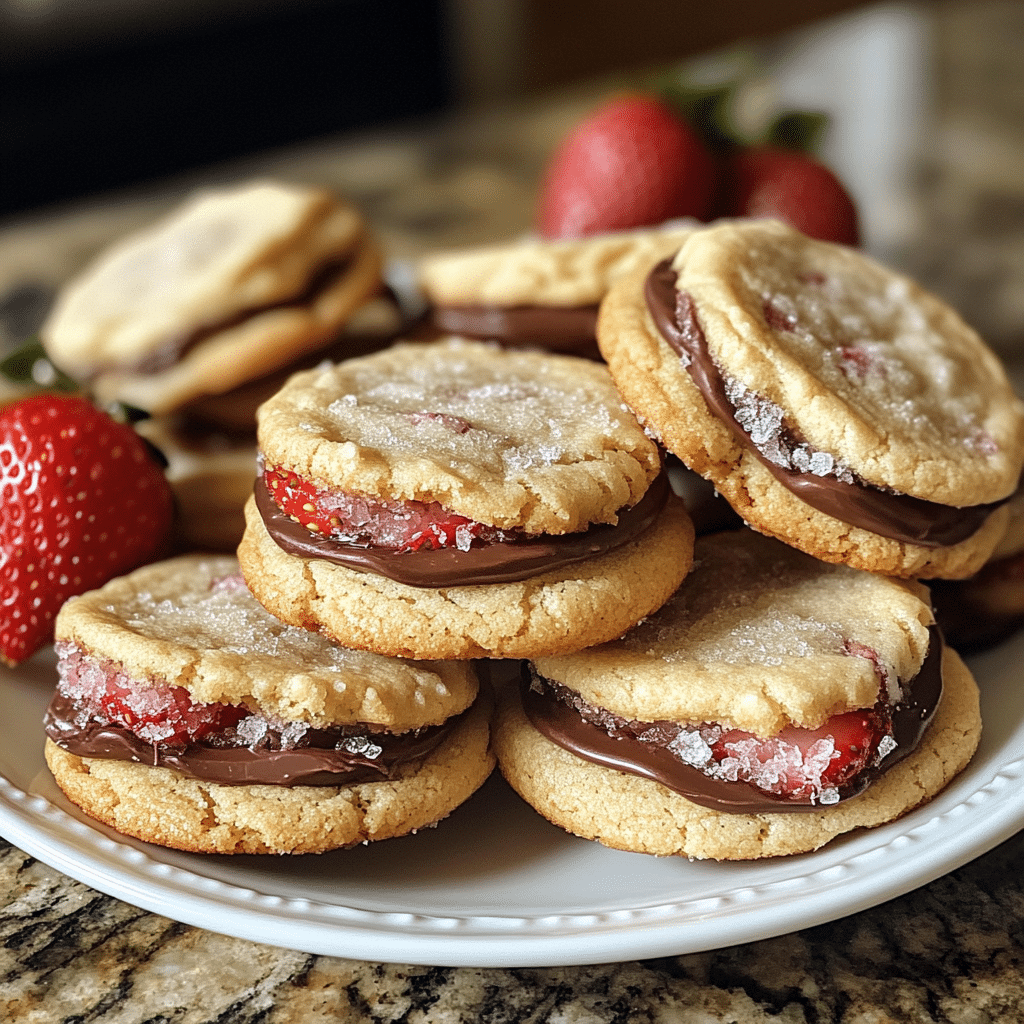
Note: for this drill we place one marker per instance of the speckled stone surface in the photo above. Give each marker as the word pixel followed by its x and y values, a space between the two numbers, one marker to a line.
pixel 950 952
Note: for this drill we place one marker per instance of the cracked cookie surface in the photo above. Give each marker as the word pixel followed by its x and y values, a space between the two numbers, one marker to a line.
pixel 512 439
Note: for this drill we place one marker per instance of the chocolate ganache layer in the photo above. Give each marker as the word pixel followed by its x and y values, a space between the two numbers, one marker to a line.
pixel 342 756
pixel 560 328
pixel 495 562
pixel 899 517
pixel 603 738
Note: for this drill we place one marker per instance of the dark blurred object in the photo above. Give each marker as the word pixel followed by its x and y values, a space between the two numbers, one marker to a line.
pixel 105 103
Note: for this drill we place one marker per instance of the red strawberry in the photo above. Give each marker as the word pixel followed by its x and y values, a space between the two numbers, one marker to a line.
pixel 632 163
pixel 398 525
pixel 81 501
pixel 761 181
pixel 805 761
pixel 157 713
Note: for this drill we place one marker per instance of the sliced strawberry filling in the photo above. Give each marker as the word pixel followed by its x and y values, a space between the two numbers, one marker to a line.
pixel 159 713
pixel 797 766
pixel 797 763
pixel 351 518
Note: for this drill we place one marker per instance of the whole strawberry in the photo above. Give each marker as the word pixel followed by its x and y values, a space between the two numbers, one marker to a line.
pixel 81 501
pixel 632 163
pixel 762 181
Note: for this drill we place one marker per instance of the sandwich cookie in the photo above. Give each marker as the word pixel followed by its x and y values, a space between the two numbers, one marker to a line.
pixel 536 292
pixel 457 500
pixel 772 704
pixel 835 404
pixel 187 716
pixel 234 284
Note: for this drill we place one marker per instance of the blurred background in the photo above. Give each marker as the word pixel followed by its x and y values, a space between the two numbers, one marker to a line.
pixel 436 116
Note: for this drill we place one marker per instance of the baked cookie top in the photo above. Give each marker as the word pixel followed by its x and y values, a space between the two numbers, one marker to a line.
pixel 758 636
pixel 871 374
pixel 537 271
pixel 192 622
pixel 220 254
pixel 507 438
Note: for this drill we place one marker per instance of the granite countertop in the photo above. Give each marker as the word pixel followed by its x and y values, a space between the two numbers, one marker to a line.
pixel 950 951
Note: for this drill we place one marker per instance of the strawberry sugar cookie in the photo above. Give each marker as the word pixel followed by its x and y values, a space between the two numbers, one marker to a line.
pixel 835 404
pixel 456 500
pixel 187 716
pixel 774 703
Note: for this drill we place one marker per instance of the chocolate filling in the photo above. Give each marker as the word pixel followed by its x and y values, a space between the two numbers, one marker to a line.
pixel 613 742
pixel 326 757
pixel 561 328
pixel 900 517
pixel 497 562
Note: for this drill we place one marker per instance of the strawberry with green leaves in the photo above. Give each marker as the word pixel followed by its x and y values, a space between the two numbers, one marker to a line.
pixel 646 158
pixel 81 500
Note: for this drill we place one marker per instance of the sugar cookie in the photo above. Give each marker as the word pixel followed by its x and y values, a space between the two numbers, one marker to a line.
pixel 188 716
pixel 832 402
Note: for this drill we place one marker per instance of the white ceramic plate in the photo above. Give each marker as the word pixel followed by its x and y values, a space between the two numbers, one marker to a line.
pixel 497 886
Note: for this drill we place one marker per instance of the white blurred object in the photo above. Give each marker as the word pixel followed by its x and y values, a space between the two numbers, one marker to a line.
pixel 870 72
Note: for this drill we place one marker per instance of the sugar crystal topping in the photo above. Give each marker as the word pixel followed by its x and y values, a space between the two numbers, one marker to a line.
pixel 224 616
pixel 868 339
pixel 758 603
pixel 507 414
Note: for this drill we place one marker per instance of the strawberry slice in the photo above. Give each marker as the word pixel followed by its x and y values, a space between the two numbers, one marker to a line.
pixel 802 762
pixel 398 525
pixel 157 713
pixel 83 501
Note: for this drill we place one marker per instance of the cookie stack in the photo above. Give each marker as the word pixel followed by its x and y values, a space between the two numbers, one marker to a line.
pixel 794 687
pixel 198 318
pixel 437 503
pixel 459 500
pixel 415 509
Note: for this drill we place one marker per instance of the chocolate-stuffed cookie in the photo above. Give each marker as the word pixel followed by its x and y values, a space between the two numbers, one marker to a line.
pixel 835 404
pixel 187 716
pixel 538 292
pixel 232 285
pixel 772 704
pixel 457 500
